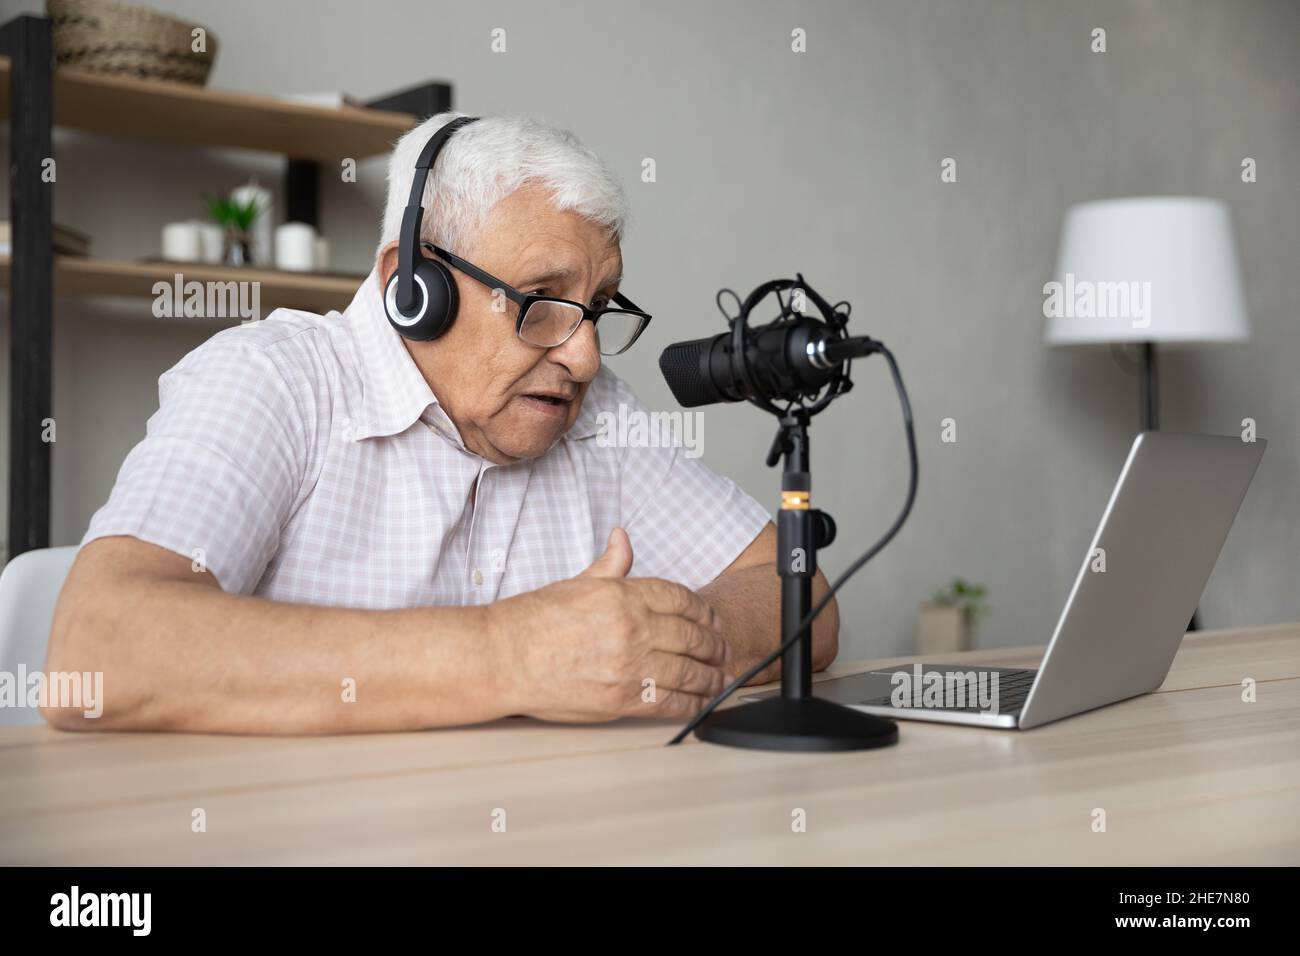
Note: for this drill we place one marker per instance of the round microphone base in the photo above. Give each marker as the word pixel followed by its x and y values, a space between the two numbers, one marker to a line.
pixel 803 724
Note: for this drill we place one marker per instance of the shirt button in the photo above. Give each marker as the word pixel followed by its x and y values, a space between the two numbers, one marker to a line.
pixel 478 577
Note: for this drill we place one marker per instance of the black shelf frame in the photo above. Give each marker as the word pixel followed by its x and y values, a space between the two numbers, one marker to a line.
pixel 26 41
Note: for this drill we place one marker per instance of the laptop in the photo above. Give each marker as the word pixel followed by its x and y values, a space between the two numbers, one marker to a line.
pixel 1141 579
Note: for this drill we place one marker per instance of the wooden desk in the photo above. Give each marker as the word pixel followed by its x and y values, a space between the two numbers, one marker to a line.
pixel 1190 774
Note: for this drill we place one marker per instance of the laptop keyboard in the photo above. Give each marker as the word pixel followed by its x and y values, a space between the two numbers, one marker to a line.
pixel 1013 691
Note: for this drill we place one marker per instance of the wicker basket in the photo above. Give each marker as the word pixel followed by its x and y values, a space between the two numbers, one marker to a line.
pixel 102 36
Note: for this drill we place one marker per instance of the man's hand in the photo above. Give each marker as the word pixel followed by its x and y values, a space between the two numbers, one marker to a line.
pixel 585 649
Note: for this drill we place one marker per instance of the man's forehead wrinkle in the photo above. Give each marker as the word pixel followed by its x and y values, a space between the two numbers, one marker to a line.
pixel 551 262
pixel 548 274
pixel 554 272
pixel 548 249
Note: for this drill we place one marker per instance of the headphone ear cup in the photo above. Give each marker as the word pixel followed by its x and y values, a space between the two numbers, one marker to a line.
pixel 436 302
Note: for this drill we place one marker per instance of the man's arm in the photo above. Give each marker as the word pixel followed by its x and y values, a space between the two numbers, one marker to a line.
pixel 747 596
pixel 179 653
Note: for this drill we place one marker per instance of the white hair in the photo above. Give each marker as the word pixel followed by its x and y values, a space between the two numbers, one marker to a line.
pixel 487 161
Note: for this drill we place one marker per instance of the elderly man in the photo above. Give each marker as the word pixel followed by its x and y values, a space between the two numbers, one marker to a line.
pixel 330 527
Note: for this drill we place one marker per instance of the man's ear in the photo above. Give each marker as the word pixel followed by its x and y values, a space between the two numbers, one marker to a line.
pixel 387 262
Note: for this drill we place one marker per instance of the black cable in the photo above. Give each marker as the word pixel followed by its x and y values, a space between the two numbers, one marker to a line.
pixel 839 583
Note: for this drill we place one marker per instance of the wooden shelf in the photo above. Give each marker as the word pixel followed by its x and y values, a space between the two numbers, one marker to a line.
pixel 313 139
pixel 168 112
pixel 85 276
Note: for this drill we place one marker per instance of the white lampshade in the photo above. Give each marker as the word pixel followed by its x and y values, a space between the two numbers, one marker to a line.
pixel 1158 269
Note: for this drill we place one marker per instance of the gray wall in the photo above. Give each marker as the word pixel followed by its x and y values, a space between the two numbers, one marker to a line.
pixel 826 162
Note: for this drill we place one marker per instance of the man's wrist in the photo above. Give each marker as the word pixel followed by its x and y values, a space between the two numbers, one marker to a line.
pixel 500 632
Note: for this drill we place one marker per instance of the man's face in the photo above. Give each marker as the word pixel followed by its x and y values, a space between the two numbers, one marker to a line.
pixel 511 400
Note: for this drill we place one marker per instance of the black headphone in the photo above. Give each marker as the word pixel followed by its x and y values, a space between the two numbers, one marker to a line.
pixel 420 297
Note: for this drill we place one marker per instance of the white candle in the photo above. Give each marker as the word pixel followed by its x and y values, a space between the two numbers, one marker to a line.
pixel 181 242
pixel 295 247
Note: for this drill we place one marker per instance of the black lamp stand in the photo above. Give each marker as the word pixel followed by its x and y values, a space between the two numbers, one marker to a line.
pixel 1150 398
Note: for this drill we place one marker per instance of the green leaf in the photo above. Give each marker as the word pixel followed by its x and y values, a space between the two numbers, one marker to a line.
pixel 232 214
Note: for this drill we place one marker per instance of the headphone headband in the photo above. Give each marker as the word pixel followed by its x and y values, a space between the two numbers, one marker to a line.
pixel 409 246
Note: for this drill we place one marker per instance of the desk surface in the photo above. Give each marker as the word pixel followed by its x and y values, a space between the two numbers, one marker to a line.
pixel 1190 774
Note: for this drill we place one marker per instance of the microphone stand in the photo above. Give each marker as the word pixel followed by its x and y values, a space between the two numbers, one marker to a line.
pixel 795 719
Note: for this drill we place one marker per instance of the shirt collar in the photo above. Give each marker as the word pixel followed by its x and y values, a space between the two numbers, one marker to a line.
pixel 395 393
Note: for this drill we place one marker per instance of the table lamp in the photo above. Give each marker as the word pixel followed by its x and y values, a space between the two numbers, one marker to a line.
pixel 1146 270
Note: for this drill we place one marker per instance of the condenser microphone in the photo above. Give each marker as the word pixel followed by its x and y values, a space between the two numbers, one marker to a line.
pixel 793 368
pixel 783 361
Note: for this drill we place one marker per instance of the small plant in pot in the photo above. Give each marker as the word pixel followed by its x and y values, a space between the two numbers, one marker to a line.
pixel 947 621
pixel 236 221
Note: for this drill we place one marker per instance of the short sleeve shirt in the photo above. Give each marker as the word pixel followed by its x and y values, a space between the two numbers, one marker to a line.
pixel 305 458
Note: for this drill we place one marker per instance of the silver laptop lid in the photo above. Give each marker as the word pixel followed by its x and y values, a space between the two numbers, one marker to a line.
pixel 1159 538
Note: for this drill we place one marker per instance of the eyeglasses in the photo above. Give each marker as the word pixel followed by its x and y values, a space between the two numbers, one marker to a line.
pixel 545 321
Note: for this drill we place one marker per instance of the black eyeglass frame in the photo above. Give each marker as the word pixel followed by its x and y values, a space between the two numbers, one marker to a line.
pixel 525 299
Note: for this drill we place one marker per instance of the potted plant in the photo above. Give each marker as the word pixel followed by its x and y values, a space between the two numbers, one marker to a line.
pixel 236 220
pixel 947 621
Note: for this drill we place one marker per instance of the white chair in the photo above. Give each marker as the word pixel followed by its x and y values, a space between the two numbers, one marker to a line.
pixel 29 587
